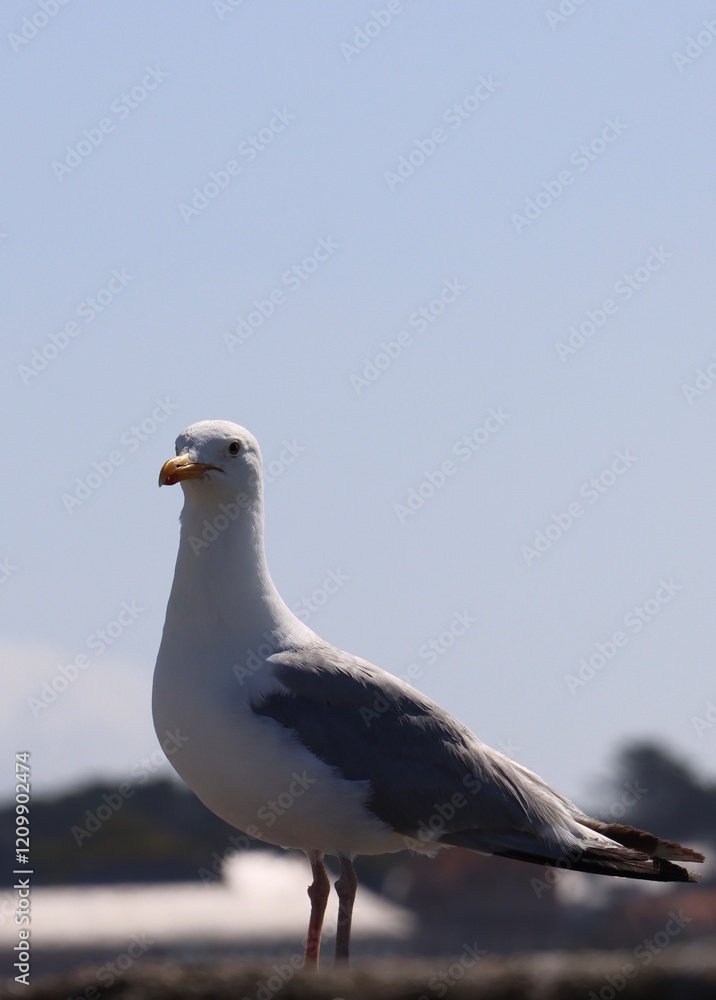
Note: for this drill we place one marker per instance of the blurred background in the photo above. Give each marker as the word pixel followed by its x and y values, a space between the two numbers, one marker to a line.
pixel 453 265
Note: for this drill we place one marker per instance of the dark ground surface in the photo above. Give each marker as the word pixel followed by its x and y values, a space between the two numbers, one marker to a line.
pixel 681 973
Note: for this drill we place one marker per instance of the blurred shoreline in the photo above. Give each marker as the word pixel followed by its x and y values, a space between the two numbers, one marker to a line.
pixel 686 971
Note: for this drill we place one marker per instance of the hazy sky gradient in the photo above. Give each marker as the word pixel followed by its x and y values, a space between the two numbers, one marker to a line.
pixel 549 171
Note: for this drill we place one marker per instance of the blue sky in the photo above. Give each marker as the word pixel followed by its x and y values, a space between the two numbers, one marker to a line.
pixel 453 265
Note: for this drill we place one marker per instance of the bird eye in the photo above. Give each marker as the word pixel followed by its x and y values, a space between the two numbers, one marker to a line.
pixel 234 448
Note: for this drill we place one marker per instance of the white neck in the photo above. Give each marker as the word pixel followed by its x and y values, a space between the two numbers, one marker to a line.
pixel 221 576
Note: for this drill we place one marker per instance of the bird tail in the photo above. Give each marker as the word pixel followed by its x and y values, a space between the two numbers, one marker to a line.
pixel 632 853
pixel 604 849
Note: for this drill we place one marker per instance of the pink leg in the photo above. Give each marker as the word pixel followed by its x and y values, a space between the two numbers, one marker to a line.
pixel 318 892
pixel 346 888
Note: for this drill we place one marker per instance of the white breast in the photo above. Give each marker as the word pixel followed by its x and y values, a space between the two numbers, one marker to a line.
pixel 251 771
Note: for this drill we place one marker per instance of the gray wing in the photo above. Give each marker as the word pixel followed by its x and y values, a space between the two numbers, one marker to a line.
pixel 430 777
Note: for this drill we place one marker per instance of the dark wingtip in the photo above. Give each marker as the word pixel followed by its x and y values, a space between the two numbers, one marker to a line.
pixel 615 861
pixel 666 871
pixel 639 840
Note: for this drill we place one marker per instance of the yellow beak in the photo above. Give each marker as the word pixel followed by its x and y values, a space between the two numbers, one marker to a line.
pixel 175 470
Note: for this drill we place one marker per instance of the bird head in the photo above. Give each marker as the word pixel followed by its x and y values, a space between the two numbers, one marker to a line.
pixel 215 457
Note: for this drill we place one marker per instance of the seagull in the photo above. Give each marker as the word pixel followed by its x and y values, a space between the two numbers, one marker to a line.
pixel 303 745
